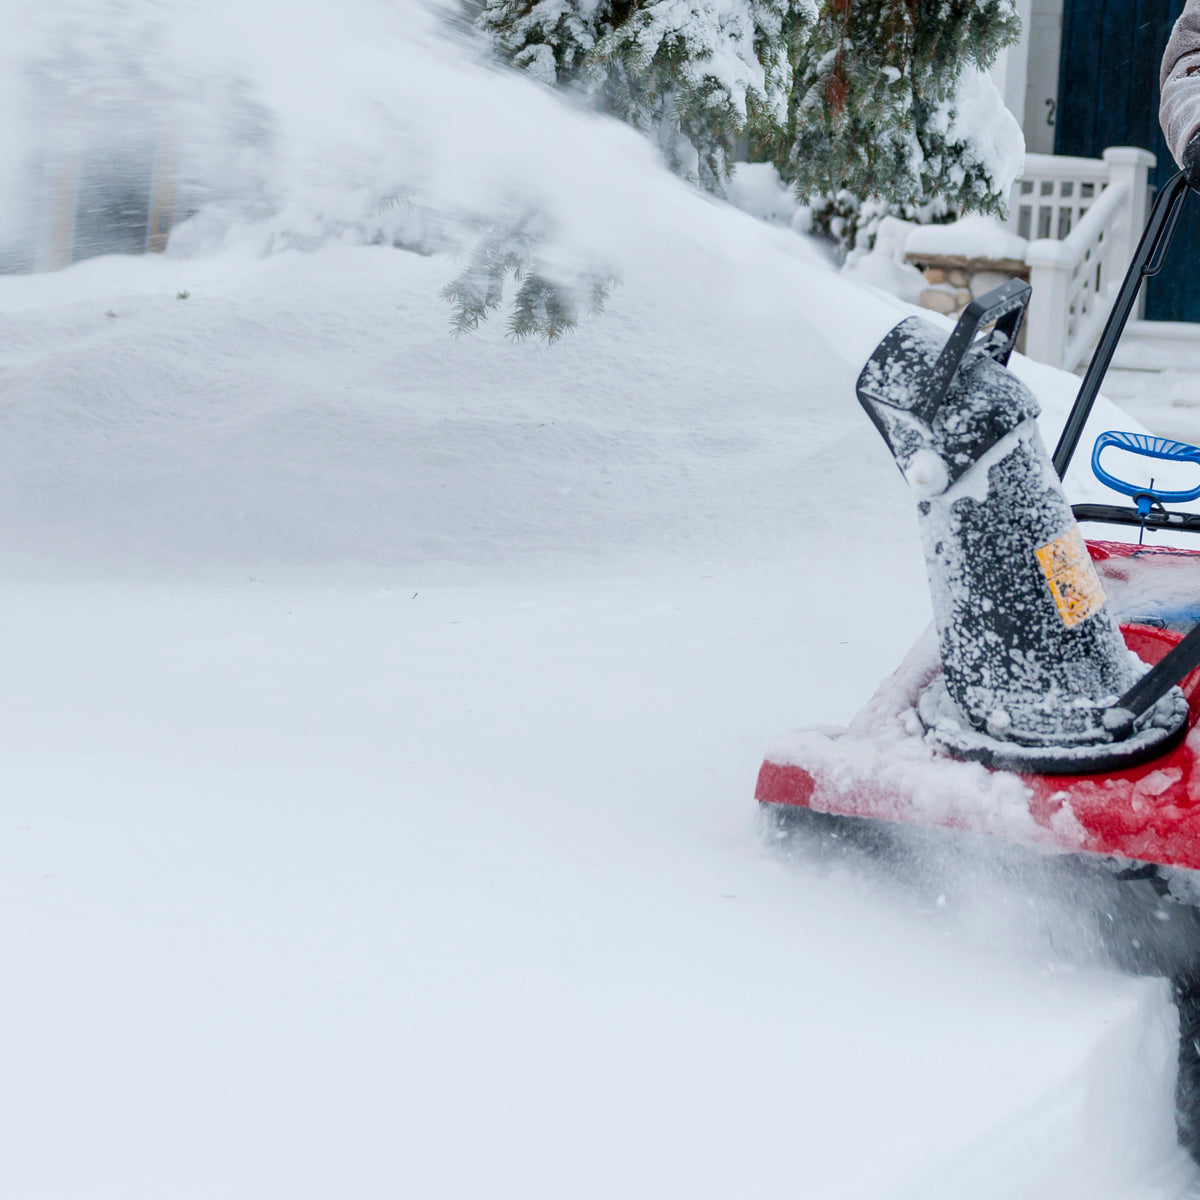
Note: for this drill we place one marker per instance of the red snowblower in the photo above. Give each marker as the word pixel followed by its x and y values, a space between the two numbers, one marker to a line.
pixel 1055 701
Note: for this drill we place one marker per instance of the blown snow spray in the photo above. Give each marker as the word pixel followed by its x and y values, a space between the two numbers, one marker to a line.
pixel 1032 657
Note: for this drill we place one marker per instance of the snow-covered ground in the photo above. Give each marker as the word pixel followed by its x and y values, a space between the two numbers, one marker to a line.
pixel 380 725
pixel 1157 379
pixel 442 890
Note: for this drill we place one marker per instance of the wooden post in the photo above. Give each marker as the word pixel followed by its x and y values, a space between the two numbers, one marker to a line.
pixel 162 197
pixel 59 238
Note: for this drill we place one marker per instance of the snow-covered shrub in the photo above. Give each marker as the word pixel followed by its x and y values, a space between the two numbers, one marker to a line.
pixel 876 102
pixel 850 224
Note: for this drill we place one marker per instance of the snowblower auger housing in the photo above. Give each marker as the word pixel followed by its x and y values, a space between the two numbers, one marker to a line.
pixel 1027 715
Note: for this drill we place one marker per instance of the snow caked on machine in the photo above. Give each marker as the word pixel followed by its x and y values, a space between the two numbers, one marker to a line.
pixel 1056 701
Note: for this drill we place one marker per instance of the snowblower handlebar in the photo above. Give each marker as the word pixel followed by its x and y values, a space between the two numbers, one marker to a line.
pixel 1147 447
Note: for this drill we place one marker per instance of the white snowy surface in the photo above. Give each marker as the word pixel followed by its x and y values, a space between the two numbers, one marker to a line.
pixel 381 718
pixel 972 236
pixel 1157 378
pixel 320 891
pixel 884 265
pixel 756 189
pixel 311 408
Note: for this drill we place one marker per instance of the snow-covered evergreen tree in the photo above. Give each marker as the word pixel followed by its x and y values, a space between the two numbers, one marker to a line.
pixel 890 104
pixel 867 107
pixel 693 74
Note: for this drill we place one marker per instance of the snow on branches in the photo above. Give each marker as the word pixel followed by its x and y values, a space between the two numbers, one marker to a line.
pixel 890 104
pixel 549 296
pixel 859 100
pixel 693 74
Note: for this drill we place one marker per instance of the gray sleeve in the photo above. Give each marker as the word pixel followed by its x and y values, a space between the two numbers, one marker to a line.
pixel 1179 112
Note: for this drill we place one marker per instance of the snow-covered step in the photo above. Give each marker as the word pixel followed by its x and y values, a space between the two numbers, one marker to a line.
pixel 1155 376
pixel 1159 346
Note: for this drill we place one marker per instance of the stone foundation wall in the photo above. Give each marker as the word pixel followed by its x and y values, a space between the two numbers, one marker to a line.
pixel 952 284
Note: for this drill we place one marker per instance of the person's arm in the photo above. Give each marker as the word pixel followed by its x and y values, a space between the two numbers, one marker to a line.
pixel 1179 112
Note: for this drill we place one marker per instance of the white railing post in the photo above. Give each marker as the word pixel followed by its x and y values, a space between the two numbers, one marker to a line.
pixel 1054 193
pixel 1131 166
pixel 1046 322
pixel 1074 281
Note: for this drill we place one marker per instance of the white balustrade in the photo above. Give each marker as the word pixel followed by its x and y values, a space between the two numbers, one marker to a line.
pixel 1083 218
pixel 1071 281
pixel 1053 194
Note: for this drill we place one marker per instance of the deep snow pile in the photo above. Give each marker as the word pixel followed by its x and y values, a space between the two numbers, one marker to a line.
pixel 434 870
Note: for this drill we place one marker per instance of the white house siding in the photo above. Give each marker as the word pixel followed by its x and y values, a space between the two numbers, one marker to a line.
pixel 1027 73
pixel 1041 87
pixel 1008 71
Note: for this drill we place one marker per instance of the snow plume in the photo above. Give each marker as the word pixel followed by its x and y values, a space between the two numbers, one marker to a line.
pixel 110 96
pixel 16 143
pixel 314 123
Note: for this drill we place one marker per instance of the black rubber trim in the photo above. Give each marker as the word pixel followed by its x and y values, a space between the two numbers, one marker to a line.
pixel 1109 757
pixel 1115 514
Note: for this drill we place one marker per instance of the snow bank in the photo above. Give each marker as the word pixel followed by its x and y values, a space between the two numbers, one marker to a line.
pixel 310 409
pixel 315 408
pixel 971 237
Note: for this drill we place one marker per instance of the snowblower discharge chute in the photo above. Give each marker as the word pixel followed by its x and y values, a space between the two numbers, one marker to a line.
pixel 1033 661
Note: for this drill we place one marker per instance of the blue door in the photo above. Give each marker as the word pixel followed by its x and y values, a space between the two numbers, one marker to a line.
pixel 1108 96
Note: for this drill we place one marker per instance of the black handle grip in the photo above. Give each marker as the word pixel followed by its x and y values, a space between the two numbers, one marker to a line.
pixel 1005 306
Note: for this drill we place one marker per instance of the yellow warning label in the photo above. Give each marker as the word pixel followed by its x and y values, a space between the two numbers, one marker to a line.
pixel 1073 581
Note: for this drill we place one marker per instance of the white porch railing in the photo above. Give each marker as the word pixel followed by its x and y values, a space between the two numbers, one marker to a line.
pixel 1083 217
pixel 1053 194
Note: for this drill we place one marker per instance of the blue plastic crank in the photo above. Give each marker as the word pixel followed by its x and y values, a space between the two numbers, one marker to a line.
pixel 1147 447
